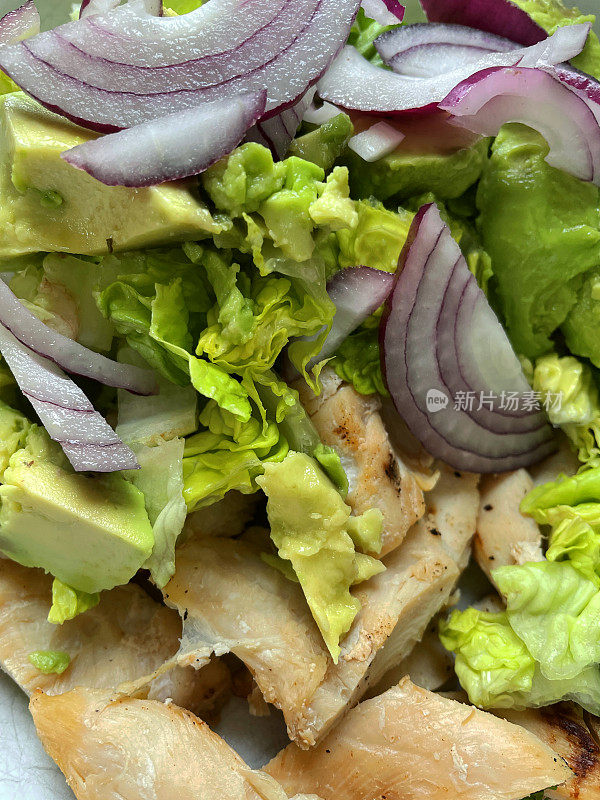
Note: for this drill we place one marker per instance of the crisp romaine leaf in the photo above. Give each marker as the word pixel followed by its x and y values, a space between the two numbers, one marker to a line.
pixel 160 479
pixel 228 454
pixel 358 362
pixel 572 401
pixel 67 603
pixel 50 661
pixel 556 612
pixel 497 671
pixel 565 491
pixel 574 540
pixel 310 528
pixel 492 662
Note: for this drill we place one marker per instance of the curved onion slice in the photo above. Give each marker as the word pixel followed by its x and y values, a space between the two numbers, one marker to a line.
pixel 277 132
pixel 378 141
pixel 427 49
pixel 89 7
pixel 317 115
pixel 494 16
pixel 19 24
pixel 118 70
pixel 70 355
pixel 488 99
pixel 438 324
pixel 356 292
pixel 177 146
pixel 354 83
pixel 70 419
pixel 385 12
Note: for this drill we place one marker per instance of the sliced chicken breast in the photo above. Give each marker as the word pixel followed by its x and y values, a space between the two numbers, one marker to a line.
pixel 452 507
pixel 396 607
pixel 125 637
pixel 411 744
pixel 563 461
pixel 428 665
pixel 378 474
pixel 564 729
pixel 233 601
pixel 132 749
pixel 504 535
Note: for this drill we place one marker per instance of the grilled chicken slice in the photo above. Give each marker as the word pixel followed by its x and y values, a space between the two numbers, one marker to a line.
pixel 234 602
pixel 564 729
pixel 504 535
pixel 411 744
pixel 125 637
pixel 428 665
pixel 228 517
pixel 452 507
pixel 378 475
pixel 129 749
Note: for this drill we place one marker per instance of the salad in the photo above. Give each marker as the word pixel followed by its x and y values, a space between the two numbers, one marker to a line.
pixel 299 312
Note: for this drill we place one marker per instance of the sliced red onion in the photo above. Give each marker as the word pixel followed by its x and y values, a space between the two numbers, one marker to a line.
pixel 500 17
pixel 19 24
pixel 354 83
pixel 124 68
pixel 177 146
pixel 277 132
pixel 70 419
pixel 89 7
pixel 427 49
pixel 488 99
pixel 321 114
pixel 385 12
pixel 440 336
pixel 378 141
pixel 356 293
pixel 70 355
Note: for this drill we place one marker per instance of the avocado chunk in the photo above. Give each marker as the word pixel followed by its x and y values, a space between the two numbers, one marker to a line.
pixel 92 533
pixel 405 173
pixel 48 205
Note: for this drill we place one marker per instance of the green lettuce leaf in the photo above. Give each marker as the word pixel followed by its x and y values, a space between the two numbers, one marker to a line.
pixel 573 539
pixel 497 671
pixel 160 479
pixel 541 228
pixel 50 661
pixel 556 612
pixel 358 361
pixel 310 527
pixel 564 491
pixel 492 662
pixel 67 603
pixel 228 454
pixel 572 401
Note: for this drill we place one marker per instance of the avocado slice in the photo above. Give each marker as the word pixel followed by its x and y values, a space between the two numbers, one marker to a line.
pixel 48 205
pixel 92 533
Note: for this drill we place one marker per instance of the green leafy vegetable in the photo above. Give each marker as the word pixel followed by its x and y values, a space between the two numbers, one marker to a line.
pixel 363 34
pixel 555 611
pixel 50 661
pixel 358 362
pixel 160 479
pixel 67 603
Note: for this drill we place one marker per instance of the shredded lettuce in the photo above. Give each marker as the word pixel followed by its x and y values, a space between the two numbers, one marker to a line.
pixel 67 603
